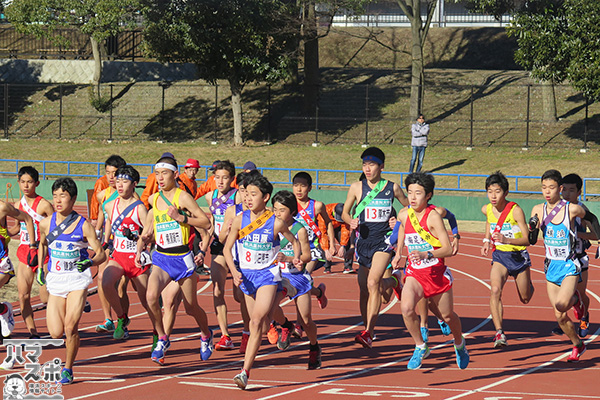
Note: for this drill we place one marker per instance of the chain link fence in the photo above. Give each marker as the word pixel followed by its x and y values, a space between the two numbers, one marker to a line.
pixel 345 113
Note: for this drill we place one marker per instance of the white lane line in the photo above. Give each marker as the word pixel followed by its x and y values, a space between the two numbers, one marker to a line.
pixel 220 366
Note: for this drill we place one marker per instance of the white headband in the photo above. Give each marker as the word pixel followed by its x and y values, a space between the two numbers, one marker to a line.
pixel 165 165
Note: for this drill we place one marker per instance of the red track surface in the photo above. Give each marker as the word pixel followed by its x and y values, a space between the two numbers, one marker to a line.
pixel 533 366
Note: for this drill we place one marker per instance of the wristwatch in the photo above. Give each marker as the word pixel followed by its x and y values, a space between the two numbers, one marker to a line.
pixel 457 236
pixel 429 255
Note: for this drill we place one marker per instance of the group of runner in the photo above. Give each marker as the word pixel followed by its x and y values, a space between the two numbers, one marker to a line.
pixel 271 245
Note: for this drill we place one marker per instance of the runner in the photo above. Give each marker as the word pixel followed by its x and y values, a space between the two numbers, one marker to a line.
pixel 374 198
pixel 124 223
pixel 66 235
pixel 572 185
pixel 219 200
pixel 562 267
pixel 505 226
pixel 342 236
pixel 112 164
pixel 255 233
pixel 168 223
pixel 427 276
pixel 297 283
pixel 38 208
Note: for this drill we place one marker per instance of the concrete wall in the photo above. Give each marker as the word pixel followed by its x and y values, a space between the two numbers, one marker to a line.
pixel 82 71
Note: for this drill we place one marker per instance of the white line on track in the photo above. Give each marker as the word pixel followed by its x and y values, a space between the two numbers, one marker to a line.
pixel 220 366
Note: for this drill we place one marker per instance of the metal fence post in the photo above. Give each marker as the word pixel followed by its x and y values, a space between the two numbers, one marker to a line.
pixel 269 113
pixel 528 110
pixel 216 113
pixel 110 118
pixel 60 109
pixel 366 116
pixel 162 111
pixel 585 124
pixel 316 143
pixel 6 110
pixel 471 134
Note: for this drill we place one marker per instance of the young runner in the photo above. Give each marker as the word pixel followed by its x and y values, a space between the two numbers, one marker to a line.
pixel 65 235
pixel 112 164
pixel 37 208
pixel 427 276
pixel 168 223
pixel 342 235
pixel 297 283
pixel 219 200
pixel 374 198
pixel 255 233
pixel 572 185
pixel 505 235
pixel 126 216
pixel 556 219
pixel 308 210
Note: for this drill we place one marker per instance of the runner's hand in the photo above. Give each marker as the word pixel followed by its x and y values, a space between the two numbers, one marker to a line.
pixel 533 222
pixel 83 265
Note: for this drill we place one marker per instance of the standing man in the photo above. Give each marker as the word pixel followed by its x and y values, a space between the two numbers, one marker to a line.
pixel 419 131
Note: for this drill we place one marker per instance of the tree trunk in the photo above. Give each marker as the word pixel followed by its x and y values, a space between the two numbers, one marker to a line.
pixel 549 101
pixel 311 57
pixel 97 64
pixel 417 71
pixel 236 108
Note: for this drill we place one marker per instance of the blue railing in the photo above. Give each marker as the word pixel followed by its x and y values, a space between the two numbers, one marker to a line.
pixel 322 178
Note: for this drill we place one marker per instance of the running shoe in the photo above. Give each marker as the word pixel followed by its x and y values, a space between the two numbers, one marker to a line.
pixel 7 365
pixel 119 332
pixel 500 340
pixel 577 352
pixel 584 326
pixel 66 376
pixel 298 331
pixel 462 355
pixel 557 331
pixel 244 343
pixel 327 269
pixel 398 286
pixel 348 270
pixel 207 347
pixel 241 379
pixel 578 307
pixel 417 358
pixel 444 327
pixel 88 307
pixel 322 299
pixel 39 276
pixel 425 334
pixel 7 320
pixel 314 358
pixel 126 334
pixel 106 327
pixel 364 339
pixel 273 335
pixel 158 354
pixel 284 339
pixel 225 343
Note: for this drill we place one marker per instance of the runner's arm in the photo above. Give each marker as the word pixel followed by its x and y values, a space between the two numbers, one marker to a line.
pixel 534 224
pixel 90 236
pixel 399 194
pixel 281 227
pixel 437 228
pixel 7 209
pixel 227 249
pixel 322 211
pixel 305 257
pixel 198 218
pixel 399 240
pixel 350 200
pixel 588 216
pixel 43 246
pixel 519 216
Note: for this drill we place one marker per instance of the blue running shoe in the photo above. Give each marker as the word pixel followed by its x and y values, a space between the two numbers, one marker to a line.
pixel 417 358
pixel 462 355
pixel 444 327
pixel 106 327
pixel 158 354
pixel 584 326
pixel 425 334
pixel 66 376
pixel 206 347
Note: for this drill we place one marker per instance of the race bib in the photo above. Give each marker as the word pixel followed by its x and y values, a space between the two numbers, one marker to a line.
pixel 64 260
pixel 124 245
pixel 415 242
pixel 255 255
pixel 168 234
pixel 378 210
pixel 219 221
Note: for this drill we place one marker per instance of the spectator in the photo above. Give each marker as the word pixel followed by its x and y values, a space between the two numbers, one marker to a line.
pixel 420 130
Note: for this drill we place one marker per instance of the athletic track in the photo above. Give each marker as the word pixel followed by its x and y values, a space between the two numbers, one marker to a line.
pixel 533 366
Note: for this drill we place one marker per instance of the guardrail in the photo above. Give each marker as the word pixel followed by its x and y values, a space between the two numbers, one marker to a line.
pixel 322 178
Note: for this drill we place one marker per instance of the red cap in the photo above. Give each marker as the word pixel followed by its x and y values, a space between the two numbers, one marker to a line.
pixel 191 163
